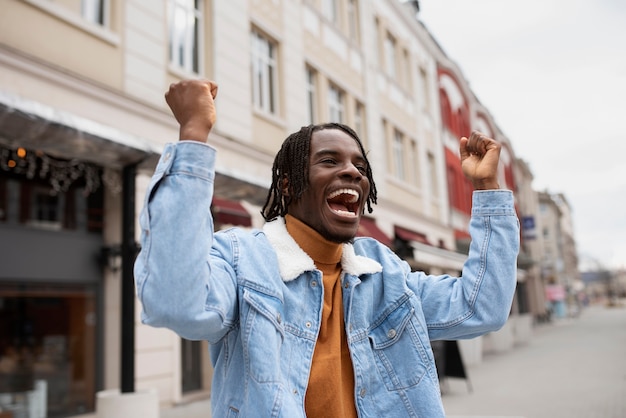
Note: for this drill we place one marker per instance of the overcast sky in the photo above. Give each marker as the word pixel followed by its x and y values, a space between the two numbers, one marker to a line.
pixel 553 75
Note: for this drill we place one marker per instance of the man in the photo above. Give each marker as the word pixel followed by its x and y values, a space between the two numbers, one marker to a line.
pixel 302 318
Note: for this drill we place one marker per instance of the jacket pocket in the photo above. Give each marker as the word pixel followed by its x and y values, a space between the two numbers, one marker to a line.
pixel 263 334
pixel 398 351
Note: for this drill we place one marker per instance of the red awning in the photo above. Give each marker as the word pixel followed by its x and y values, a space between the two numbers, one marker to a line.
pixel 368 228
pixel 408 235
pixel 230 212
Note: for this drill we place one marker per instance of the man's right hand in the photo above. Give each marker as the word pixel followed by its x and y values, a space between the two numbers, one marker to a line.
pixel 192 104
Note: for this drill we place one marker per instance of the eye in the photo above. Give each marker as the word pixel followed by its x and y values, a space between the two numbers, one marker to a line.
pixel 328 161
pixel 362 168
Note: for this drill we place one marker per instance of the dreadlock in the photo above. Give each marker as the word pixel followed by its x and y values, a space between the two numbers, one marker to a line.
pixel 292 163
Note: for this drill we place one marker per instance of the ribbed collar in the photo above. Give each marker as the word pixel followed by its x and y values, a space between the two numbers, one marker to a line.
pixel 317 247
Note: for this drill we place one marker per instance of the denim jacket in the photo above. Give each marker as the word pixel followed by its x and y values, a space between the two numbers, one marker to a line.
pixel 256 297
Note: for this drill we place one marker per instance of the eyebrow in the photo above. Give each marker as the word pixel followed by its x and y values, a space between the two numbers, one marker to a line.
pixel 333 152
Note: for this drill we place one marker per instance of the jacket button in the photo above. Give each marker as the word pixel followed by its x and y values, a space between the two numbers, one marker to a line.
pixel 308 325
pixel 362 392
pixel 313 283
pixel 346 285
pixel 279 319
pixel 391 333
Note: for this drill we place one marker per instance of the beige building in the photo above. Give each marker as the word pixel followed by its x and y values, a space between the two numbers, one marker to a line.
pixel 559 264
pixel 532 245
pixel 82 121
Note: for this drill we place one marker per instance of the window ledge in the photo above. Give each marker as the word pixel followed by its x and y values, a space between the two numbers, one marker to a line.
pixel 276 120
pixel 76 20
pixel 403 184
pixel 181 73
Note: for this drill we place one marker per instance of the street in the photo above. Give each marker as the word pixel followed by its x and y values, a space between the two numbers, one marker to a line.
pixel 572 368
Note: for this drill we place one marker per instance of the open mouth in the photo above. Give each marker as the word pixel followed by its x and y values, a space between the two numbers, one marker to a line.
pixel 344 202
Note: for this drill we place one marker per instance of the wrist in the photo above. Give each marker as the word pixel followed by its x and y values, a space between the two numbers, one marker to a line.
pixel 194 133
pixel 486 185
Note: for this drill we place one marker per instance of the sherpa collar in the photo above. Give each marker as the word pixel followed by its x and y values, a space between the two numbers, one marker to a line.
pixel 293 261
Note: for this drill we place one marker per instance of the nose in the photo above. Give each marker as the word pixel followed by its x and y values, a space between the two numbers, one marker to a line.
pixel 351 171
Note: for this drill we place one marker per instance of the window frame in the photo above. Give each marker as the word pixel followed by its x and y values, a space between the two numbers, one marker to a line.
pixel 311 76
pixel 432 172
pixel 424 90
pixel 389 47
pixel 359 120
pixel 352 12
pixel 336 104
pixel 397 146
pixel 264 63
pixel 413 166
pixel 74 18
pixel 330 10
pixel 192 57
pixel 88 7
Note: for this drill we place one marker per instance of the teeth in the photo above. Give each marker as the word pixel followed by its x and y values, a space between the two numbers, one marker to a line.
pixel 345 213
pixel 351 192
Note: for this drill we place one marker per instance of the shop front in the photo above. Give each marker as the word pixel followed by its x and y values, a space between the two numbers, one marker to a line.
pixel 56 174
pixel 51 217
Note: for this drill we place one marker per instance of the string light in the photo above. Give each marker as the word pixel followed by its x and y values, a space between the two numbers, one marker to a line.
pixel 60 173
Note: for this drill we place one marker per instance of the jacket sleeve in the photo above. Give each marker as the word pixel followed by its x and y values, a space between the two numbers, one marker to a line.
pixel 480 300
pixel 173 267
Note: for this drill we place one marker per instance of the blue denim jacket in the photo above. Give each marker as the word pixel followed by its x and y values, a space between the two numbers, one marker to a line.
pixel 253 295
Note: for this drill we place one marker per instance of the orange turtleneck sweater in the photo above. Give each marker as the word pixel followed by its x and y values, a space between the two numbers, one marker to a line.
pixel 330 392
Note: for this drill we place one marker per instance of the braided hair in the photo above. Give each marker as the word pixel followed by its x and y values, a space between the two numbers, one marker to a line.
pixel 292 163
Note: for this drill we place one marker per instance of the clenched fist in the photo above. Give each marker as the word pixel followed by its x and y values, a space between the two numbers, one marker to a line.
pixel 479 160
pixel 192 104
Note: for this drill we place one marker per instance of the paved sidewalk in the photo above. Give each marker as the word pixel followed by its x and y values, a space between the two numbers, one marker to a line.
pixel 573 368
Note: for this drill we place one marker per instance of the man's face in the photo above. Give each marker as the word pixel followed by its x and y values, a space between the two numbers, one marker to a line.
pixel 338 187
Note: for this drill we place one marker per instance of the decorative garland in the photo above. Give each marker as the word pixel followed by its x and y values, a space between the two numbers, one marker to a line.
pixel 60 173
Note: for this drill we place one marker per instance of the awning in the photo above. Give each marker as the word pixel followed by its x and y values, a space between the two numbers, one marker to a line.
pixel 368 228
pixel 408 235
pixel 30 124
pixel 230 212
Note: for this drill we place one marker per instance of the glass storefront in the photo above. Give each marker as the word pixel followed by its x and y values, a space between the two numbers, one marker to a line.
pixel 47 349
pixel 51 219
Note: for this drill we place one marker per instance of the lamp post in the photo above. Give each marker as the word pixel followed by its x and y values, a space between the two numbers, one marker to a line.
pixel 129 252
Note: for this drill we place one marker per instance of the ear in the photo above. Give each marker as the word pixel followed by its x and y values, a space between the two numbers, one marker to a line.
pixel 285 186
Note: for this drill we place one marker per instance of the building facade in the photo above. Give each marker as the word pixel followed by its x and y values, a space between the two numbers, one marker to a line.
pixel 83 120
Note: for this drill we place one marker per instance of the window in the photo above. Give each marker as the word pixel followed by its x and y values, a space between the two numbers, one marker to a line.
pixel 48 349
pixel 95 11
pixel 425 91
pixel 185 33
pixel 398 154
pixel 264 73
pixel 359 120
pixel 390 56
pixel 406 70
pixel 353 20
pixel 191 365
pixel 414 166
pixel 42 192
pixel 336 106
pixel 329 9
pixel 311 97
pixel 46 209
pixel 432 172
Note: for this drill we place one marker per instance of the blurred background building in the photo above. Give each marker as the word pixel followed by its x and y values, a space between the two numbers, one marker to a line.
pixel 83 121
